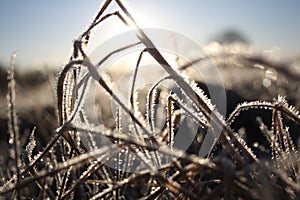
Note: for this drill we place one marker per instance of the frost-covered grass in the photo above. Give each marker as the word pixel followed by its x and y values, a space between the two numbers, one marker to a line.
pixel 136 156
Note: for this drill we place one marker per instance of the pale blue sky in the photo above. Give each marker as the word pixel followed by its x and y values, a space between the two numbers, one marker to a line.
pixel 43 31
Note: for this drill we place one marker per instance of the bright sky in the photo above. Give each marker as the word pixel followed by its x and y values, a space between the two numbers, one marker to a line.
pixel 43 31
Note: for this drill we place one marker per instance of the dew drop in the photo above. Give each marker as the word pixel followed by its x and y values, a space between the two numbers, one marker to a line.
pixel 259 66
pixel 255 144
pixel 11 141
pixel 266 82
pixel 271 74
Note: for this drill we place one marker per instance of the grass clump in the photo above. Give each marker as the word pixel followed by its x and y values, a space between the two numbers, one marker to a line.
pixel 95 161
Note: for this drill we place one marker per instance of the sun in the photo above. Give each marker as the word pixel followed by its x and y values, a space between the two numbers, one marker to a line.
pixel 141 20
pixel 144 21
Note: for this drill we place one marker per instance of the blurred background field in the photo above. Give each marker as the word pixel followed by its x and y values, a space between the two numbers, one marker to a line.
pixel 243 81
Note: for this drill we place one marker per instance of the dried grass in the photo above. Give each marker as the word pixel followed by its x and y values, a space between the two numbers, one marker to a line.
pixel 67 168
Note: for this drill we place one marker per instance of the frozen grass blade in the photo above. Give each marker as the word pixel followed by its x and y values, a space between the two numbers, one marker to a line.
pixel 13 128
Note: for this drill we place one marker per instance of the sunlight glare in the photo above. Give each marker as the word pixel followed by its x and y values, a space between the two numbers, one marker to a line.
pixel 144 21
